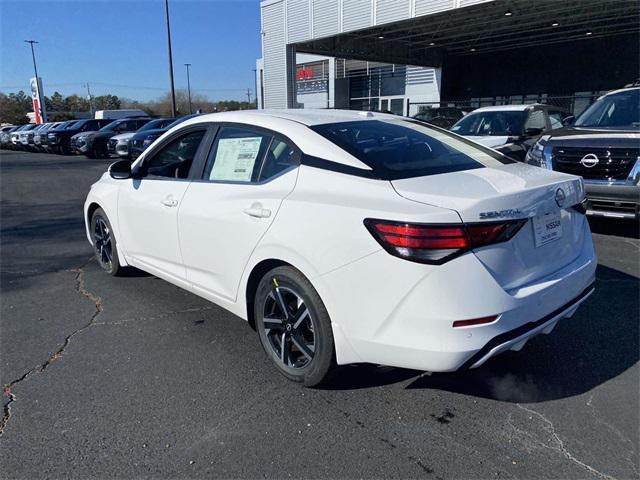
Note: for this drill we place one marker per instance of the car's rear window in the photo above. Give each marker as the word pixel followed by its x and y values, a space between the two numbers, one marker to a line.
pixel 396 149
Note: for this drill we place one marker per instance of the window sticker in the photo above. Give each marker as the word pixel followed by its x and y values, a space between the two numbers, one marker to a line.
pixel 235 159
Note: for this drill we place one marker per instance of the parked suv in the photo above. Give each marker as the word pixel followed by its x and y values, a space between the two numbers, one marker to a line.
pixel 60 140
pixel 602 146
pixel 94 144
pixel 144 137
pixel 510 129
pixel 5 135
pixel 120 144
pixel 49 142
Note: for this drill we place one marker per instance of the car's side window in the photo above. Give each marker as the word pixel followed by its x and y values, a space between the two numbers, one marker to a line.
pixel 121 127
pixel 555 119
pixel 174 159
pixel 280 157
pixel 237 155
pixel 536 120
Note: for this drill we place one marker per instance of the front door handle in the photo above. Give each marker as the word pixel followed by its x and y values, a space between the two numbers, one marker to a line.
pixel 257 211
pixel 169 202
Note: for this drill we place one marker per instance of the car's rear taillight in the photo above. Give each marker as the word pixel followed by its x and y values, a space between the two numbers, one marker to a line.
pixel 438 243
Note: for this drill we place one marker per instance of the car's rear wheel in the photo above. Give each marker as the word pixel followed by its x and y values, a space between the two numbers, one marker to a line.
pixel 104 243
pixel 294 326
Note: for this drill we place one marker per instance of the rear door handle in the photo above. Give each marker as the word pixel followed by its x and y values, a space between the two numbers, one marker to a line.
pixel 257 211
pixel 169 202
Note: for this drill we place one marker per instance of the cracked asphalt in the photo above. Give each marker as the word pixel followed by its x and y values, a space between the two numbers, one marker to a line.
pixel 131 377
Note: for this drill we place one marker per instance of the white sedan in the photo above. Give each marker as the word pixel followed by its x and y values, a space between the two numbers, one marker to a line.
pixel 347 237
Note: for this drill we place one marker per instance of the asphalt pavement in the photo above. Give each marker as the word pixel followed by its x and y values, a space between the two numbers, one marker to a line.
pixel 132 377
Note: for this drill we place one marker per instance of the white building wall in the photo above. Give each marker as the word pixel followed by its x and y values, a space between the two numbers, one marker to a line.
pixel 274 54
pixel 290 21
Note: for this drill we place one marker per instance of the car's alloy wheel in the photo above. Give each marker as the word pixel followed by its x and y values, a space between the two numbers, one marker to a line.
pixel 104 243
pixel 294 326
pixel 288 326
pixel 102 239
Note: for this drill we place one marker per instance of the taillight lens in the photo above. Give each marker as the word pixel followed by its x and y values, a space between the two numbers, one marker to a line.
pixel 438 243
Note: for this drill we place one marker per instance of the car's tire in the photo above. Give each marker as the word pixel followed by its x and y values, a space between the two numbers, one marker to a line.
pixel 309 353
pixel 105 246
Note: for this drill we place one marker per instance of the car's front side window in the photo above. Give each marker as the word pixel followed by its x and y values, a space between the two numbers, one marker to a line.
pixel 174 159
pixel 237 155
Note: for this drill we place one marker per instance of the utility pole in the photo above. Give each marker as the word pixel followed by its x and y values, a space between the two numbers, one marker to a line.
pixel 35 69
pixel 188 86
pixel 173 92
pixel 248 95
pixel 90 98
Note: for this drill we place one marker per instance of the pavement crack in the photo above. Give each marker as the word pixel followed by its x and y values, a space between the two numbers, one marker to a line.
pixel 81 289
pixel 559 444
pixel 156 317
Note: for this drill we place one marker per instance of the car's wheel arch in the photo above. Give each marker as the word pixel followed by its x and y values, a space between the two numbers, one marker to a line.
pixel 90 209
pixel 259 266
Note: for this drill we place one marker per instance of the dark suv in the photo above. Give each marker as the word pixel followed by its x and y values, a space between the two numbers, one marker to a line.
pixel 60 140
pixel 602 146
pixel 94 144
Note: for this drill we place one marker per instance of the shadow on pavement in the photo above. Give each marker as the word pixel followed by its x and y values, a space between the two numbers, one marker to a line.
pixel 597 344
pixel 605 226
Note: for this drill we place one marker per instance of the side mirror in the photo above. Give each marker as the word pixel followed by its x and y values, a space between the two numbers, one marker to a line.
pixel 532 132
pixel 566 121
pixel 120 170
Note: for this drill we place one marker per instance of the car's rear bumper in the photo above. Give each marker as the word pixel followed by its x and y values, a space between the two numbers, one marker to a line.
pixel 616 201
pixel 515 339
pixel 398 313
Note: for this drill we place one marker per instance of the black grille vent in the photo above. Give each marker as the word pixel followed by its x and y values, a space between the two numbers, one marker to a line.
pixel 613 163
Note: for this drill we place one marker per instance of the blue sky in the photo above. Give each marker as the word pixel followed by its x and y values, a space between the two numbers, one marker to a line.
pixel 122 43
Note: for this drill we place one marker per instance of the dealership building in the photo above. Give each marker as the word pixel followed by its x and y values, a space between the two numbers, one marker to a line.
pixel 406 55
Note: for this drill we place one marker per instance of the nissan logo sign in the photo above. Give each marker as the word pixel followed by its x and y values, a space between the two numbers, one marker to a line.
pixel 590 160
pixel 560 197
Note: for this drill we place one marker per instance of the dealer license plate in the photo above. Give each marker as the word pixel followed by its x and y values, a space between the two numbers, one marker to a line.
pixel 547 228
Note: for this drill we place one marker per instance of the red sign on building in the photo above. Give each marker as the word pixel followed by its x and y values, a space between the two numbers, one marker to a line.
pixel 305 73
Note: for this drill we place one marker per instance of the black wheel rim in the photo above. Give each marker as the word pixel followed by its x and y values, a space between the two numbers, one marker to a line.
pixel 102 241
pixel 289 328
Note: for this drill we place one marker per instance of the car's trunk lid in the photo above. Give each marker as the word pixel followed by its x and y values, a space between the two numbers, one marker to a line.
pixel 512 191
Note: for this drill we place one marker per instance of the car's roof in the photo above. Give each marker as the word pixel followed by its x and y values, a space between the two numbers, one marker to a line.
pixel 305 116
pixel 626 89
pixel 506 108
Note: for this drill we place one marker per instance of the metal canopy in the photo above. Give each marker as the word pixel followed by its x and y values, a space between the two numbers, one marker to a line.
pixel 481 29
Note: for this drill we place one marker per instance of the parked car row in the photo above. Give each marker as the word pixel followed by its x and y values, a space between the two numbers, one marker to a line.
pixel 95 137
pixel 602 145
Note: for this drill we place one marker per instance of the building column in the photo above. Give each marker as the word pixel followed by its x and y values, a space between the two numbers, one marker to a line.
pixel 332 83
pixel 292 94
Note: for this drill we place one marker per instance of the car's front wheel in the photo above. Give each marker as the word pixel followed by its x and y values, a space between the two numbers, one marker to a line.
pixel 104 243
pixel 294 326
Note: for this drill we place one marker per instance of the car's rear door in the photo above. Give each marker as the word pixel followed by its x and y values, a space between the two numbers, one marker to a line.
pixel 148 206
pixel 248 173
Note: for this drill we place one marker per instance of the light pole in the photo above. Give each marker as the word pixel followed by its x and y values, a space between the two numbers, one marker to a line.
pixel 35 69
pixel 173 92
pixel 90 98
pixel 188 86
pixel 255 81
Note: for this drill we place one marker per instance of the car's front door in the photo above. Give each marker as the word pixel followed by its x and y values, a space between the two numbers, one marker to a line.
pixel 148 205
pixel 248 173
